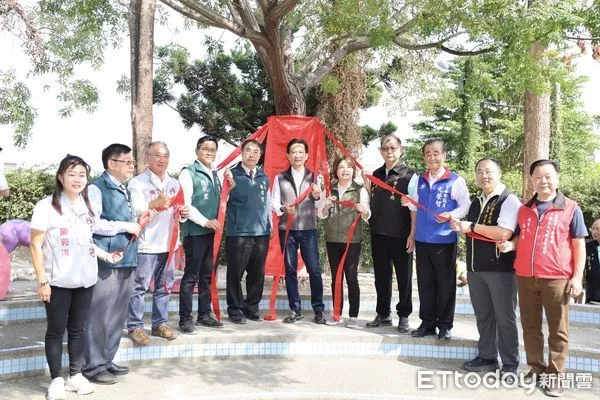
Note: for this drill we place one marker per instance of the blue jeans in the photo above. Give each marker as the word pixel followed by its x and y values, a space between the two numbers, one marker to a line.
pixel 151 266
pixel 309 249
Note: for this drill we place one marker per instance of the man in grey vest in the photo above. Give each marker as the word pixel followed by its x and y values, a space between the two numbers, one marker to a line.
pixel 248 234
pixel 202 192
pixel 288 186
pixel 110 295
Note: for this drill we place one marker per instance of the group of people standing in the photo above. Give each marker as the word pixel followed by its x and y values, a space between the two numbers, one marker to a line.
pixel 96 248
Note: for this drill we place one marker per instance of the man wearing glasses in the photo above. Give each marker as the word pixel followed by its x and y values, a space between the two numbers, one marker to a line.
pixel 392 235
pixel 202 192
pixel 110 295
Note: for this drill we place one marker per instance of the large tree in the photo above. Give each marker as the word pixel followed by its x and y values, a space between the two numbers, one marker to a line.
pixel 331 31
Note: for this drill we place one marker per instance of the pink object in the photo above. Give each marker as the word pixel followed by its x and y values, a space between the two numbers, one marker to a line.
pixel 4 272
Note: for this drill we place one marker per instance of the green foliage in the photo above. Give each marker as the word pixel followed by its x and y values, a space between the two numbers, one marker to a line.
pixel 15 108
pixel 27 187
pixel 369 134
pixel 330 85
pixel 227 94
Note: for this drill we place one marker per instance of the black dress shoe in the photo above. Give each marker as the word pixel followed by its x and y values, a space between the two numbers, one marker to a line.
pixel 103 378
pixel 186 326
pixel 207 320
pixel 379 321
pixel 479 364
pixel 444 334
pixel 117 370
pixel 256 317
pixel 292 317
pixel 403 326
pixel 422 332
pixel 320 318
pixel 237 319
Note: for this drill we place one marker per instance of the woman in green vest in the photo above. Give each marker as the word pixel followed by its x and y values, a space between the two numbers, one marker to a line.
pixel 339 219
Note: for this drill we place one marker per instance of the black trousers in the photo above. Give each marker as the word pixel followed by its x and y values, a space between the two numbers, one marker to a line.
pixel 335 251
pixel 387 250
pixel 198 270
pixel 67 309
pixel 245 254
pixel 436 280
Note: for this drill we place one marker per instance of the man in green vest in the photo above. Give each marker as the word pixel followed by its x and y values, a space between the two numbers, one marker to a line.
pixel 201 191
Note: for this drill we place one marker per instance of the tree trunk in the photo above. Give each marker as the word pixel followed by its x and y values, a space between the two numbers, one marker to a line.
pixel 141 27
pixel 537 135
pixel 556 125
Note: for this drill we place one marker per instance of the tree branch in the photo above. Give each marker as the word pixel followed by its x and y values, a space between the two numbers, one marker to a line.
pixel 279 10
pixel 247 14
pixel 351 45
pixel 188 13
pixel 467 53
pixel 209 16
pixel 235 15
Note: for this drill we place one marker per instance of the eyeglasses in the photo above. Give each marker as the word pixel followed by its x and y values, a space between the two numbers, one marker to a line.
pixel 207 150
pixel 128 162
pixel 390 148
pixel 251 151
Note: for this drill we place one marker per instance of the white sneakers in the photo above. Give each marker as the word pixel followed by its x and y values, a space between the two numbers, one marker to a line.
pixel 332 321
pixel 56 390
pixel 78 383
pixel 352 323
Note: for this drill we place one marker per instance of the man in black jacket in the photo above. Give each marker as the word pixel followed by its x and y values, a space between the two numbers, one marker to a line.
pixel 392 235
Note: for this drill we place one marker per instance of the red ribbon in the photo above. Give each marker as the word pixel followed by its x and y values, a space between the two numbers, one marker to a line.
pixel 177 202
pixel 337 300
pixel 290 220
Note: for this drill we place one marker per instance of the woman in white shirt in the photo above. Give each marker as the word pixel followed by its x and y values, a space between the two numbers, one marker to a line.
pixel 339 220
pixel 64 259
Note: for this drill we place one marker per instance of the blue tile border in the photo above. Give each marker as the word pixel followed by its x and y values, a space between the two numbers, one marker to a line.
pixel 8 315
pixel 37 364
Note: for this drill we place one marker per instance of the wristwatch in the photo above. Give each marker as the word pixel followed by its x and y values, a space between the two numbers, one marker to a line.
pixel 472 226
pixel 44 283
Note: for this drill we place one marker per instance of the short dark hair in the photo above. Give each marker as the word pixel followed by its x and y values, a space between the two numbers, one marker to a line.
pixel 337 162
pixel 252 141
pixel 390 137
pixel 433 141
pixel 207 138
pixel 542 162
pixel 492 159
pixel 296 141
pixel 114 150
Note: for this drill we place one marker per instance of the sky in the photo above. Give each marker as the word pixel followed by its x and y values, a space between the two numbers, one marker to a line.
pixel 86 134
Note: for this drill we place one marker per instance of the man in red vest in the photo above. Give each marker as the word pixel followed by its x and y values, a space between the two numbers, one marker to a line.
pixel 549 266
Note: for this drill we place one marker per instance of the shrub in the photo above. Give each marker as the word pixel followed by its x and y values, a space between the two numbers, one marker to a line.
pixel 27 187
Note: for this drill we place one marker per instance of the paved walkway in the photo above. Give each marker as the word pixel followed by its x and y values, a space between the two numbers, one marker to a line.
pixel 300 378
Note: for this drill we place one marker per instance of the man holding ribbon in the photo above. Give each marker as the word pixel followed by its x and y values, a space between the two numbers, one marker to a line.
pixel 154 189
pixel 296 195
pixel 202 192
pixel 114 234
pixel 491 275
pixel 442 194
pixel 248 232
pixel 392 235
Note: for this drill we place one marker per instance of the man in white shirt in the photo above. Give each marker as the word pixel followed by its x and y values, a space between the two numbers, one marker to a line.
pixel 154 189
